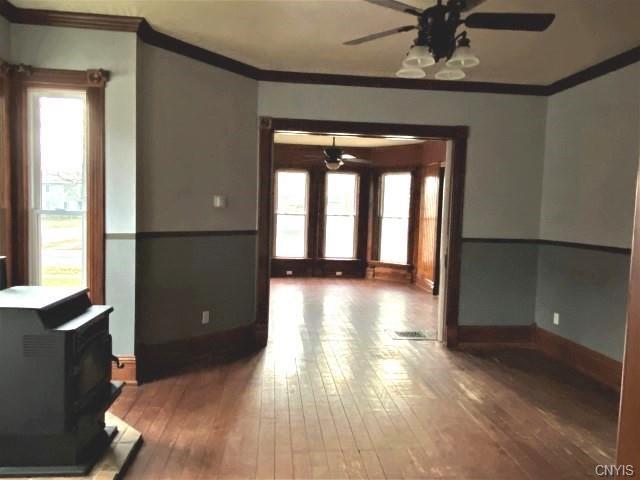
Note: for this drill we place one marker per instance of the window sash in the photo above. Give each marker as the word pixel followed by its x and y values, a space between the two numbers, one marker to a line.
pixel 36 249
pixel 399 222
pixel 279 213
pixel 353 216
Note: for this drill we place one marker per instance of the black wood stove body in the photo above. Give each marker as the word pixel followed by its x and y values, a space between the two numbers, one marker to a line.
pixel 55 381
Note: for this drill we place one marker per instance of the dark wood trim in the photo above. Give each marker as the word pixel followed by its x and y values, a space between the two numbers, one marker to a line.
pixel 317 267
pixel 456 134
pixel 598 70
pixel 128 372
pixel 96 203
pixel 557 243
pixel 158 361
pixel 8 10
pixel 190 233
pixel 391 272
pixel 19 263
pixel 265 226
pixel 628 452
pixel 62 79
pixel 152 37
pixel 458 166
pixel 93 83
pixel 6 185
pixel 605 370
pixel 599 367
pixel 402 83
pixel 54 18
pixel 493 335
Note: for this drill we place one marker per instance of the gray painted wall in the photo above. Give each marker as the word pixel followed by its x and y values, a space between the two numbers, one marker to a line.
pixel 5 39
pixel 198 127
pixel 561 168
pixel 588 288
pixel 505 152
pixel 498 283
pixel 503 183
pixel 198 137
pixel 71 48
pixel 591 161
pixel 590 168
pixel 181 277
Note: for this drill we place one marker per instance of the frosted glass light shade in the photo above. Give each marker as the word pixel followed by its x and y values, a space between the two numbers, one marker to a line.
pixel 418 57
pixel 405 72
pixel 463 57
pixel 450 74
pixel 334 165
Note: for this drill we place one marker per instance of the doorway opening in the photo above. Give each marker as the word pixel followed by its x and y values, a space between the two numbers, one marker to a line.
pixel 390 212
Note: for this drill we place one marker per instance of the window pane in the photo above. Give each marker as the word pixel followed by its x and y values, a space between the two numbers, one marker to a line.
pixel 396 195
pixel 394 237
pixel 292 192
pixel 62 153
pixel 341 193
pixel 57 129
pixel 62 250
pixel 340 237
pixel 290 236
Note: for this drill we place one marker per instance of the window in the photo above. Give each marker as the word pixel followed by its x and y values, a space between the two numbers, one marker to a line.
pixel 292 192
pixel 394 217
pixel 58 199
pixel 340 215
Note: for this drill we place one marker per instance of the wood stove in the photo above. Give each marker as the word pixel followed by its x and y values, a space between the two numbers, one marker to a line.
pixel 55 369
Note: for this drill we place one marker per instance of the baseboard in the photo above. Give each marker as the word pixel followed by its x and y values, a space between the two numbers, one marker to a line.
pixel 591 363
pixel 425 284
pixel 160 360
pixel 389 272
pixel 128 372
pixel 595 365
pixel 494 335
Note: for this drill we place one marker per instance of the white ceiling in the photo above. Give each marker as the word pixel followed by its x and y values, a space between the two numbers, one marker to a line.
pixel 307 35
pixel 342 140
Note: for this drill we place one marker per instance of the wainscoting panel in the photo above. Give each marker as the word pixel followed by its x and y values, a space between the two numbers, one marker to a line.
pixel 180 276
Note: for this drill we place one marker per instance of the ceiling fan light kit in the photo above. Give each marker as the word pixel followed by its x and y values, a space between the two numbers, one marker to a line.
pixel 418 57
pixel 333 166
pixel 438 38
pixel 411 72
pixel 450 74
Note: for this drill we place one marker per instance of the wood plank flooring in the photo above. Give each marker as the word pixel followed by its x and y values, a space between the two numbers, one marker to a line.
pixel 334 396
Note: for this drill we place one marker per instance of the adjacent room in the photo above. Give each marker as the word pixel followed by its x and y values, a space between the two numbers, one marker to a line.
pixel 319 239
pixel 353 207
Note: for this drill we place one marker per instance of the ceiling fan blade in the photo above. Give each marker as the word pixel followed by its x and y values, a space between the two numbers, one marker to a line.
pixel 531 22
pixel 347 158
pixel 395 5
pixel 375 36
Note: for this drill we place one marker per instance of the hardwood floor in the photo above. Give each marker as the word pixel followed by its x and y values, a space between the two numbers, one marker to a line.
pixel 334 396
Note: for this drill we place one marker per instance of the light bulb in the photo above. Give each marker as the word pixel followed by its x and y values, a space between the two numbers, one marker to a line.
pixel 450 74
pixel 419 56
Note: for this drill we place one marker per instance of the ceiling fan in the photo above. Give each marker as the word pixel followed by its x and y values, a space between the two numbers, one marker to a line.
pixel 335 157
pixel 438 38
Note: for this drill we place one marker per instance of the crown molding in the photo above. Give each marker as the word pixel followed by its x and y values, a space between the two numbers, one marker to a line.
pixel 150 36
pixel 609 65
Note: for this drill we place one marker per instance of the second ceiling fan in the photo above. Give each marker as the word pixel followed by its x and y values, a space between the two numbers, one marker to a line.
pixel 438 36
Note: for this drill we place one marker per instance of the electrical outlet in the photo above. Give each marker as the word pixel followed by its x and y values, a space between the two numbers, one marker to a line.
pixel 289 273
pixel 556 318
pixel 338 274
pixel 205 317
